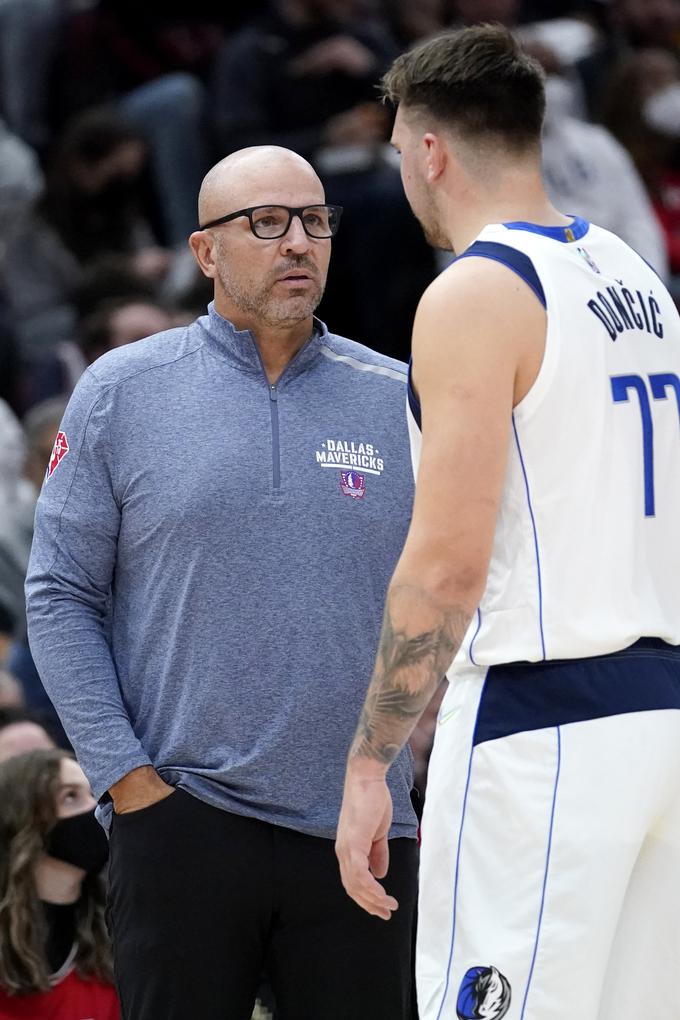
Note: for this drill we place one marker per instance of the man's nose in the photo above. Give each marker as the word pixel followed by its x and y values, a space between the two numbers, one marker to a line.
pixel 295 239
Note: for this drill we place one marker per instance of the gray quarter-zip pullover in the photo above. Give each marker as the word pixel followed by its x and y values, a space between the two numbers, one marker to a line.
pixel 210 562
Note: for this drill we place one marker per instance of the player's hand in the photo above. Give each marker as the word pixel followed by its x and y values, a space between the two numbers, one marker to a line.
pixel 361 845
pixel 139 789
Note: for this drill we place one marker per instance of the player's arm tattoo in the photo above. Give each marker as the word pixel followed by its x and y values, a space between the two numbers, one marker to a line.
pixel 418 643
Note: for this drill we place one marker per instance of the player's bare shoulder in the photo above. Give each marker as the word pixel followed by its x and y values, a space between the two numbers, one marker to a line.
pixel 479 308
pixel 484 291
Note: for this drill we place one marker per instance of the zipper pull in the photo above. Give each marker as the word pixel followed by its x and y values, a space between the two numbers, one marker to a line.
pixel 273 392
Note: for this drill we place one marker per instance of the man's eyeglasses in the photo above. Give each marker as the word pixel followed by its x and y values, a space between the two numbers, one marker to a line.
pixel 271 221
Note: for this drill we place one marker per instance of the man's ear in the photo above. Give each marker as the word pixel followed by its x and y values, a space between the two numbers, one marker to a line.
pixel 201 245
pixel 435 156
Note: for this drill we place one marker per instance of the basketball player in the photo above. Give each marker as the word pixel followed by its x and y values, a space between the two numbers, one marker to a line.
pixel 544 556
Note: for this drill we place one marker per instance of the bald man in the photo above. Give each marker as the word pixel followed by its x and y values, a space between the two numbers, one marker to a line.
pixel 222 511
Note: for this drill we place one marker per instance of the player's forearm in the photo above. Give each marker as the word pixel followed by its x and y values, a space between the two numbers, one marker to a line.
pixel 422 632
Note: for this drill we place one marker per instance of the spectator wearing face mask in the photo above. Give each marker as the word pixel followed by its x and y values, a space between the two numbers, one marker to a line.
pixel 54 951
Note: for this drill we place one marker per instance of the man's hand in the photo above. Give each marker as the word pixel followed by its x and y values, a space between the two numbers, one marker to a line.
pixel 361 845
pixel 139 789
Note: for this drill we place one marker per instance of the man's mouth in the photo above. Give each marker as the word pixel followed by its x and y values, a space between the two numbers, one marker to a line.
pixel 298 274
pixel 297 279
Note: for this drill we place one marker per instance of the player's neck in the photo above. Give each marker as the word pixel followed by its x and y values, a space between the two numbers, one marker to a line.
pixel 519 200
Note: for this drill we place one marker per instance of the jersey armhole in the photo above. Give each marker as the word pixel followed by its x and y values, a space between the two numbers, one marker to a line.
pixel 413 401
pixel 520 264
pixel 515 260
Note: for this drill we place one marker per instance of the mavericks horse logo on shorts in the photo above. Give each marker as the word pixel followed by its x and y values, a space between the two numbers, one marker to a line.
pixel 484 995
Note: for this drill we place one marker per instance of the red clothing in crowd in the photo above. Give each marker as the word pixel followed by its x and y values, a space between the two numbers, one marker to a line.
pixel 72 998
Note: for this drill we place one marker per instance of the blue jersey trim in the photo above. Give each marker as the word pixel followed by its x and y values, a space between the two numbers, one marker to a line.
pixel 457 870
pixel 510 257
pixel 574 231
pixel 474 637
pixel 533 526
pixel 545 873
pixel 523 696
pixel 413 401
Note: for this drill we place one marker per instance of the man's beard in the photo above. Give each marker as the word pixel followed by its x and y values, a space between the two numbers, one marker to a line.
pixel 263 305
pixel 435 237
pixel 428 217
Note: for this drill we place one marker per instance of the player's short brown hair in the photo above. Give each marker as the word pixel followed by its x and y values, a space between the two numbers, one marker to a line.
pixel 476 80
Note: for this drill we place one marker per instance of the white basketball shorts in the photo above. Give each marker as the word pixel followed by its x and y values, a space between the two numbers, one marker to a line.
pixel 550 859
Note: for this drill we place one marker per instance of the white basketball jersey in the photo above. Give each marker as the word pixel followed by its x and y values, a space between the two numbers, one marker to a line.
pixel 586 553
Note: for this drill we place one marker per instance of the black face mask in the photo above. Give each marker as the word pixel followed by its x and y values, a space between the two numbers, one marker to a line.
pixel 80 841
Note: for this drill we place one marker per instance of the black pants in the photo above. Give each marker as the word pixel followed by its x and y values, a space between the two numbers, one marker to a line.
pixel 202 902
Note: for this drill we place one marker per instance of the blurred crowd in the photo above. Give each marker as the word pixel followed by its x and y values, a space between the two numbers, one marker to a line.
pixel 111 112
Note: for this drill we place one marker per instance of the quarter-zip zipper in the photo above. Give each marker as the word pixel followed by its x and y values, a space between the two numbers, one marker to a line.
pixel 274 412
pixel 276 452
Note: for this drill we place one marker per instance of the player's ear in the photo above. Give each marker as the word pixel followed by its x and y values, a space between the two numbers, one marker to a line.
pixel 435 156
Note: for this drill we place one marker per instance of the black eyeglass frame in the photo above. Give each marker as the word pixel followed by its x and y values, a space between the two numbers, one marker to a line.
pixel 292 211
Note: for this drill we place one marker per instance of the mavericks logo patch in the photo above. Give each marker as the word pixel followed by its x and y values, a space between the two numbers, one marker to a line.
pixel 355 459
pixel 484 995
pixel 353 484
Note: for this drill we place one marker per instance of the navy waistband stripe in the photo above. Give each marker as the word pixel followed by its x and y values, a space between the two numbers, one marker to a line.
pixel 526 696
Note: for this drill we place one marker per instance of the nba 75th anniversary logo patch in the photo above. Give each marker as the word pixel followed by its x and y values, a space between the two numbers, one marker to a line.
pixel 59 451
